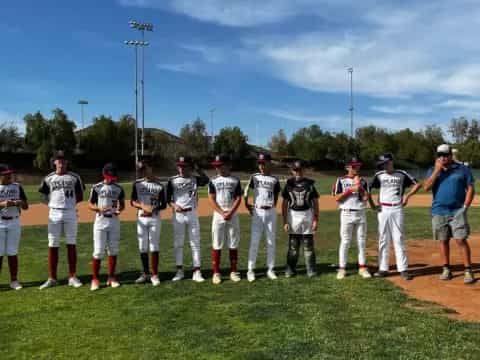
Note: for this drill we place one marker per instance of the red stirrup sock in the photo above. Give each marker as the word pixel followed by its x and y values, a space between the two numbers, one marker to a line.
pixel 72 259
pixel 216 260
pixel 96 268
pixel 154 261
pixel 112 264
pixel 13 266
pixel 52 262
pixel 233 260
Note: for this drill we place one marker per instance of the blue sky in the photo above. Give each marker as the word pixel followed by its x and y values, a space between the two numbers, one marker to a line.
pixel 264 65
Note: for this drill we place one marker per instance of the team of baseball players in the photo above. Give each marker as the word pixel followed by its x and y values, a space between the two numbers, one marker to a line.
pixel 451 183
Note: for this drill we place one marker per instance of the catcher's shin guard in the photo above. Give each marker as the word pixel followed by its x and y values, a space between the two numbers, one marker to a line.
pixel 293 248
pixel 309 252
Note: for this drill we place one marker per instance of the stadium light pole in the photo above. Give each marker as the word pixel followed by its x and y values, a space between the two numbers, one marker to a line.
pixel 211 123
pixel 136 44
pixel 350 70
pixel 82 103
pixel 142 27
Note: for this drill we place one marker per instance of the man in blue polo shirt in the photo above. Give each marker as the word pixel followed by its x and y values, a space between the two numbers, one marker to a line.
pixel 453 190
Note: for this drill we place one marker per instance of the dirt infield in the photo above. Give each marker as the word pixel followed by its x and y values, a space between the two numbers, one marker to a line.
pixel 424 258
pixel 426 265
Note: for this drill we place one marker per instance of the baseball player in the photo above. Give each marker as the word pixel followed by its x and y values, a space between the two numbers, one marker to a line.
pixel 266 188
pixel 12 199
pixel 225 196
pixel 148 196
pixel 351 193
pixel 182 196
pixel 107 199
pixel 61 191
pixel 300 219
pixel 391 200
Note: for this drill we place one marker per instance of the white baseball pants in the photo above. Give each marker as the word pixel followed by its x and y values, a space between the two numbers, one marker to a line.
pixel 225 231
pixel 186 221
pixel 62 221
pixel 390 227
pixel 352 223
pixel 106 235
pixel 148 232
pixel 10 231
pixel 300 222
pixel 263 221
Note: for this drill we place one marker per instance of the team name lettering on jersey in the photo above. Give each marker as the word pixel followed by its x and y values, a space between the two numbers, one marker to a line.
pixel 226 190
pixel 63 190
pixel 392 185
pixel 355 200
pixel 12 192
pixel 183 190
pixel 266 189
pixel 151 193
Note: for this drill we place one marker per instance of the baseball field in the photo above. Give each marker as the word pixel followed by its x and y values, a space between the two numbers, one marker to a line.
pixel 295 318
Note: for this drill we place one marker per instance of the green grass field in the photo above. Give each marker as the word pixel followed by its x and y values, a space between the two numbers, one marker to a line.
pixel 296 318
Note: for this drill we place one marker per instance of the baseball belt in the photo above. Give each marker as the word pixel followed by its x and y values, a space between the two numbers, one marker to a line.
pixel 390 204
pixel 9 217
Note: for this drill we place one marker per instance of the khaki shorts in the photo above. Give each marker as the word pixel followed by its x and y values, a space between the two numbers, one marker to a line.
pixel 446 227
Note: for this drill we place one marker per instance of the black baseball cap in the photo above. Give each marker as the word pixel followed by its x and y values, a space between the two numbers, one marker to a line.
pixel 110 169
pixel 384 158
pixel 5 170
pixel 298 164
pixel 59 155
pixel 262 158
pixel 220 159
pixel 184 161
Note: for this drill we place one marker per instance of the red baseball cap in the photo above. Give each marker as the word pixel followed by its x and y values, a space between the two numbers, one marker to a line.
pixel 5 170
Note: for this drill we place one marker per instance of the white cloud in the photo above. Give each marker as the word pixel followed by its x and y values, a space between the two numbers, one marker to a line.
pixel 398 49
pixel 189 68
pixel 328 120
pixel 210 54
pixel 402 109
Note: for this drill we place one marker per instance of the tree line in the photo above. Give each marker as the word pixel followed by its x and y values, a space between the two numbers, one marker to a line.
pixel 108 139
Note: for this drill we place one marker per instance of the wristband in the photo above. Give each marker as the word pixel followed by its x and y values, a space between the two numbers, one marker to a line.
pixel 315 217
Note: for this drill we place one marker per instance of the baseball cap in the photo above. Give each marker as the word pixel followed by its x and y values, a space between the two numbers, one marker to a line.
pixel 59 155
pixel 298 164
pixel 110 172
pixel 382 159
pixel 262 158
pixel 353 161
pixel 5 169
pixel 220 159
pixel 184 161
pixel 444 149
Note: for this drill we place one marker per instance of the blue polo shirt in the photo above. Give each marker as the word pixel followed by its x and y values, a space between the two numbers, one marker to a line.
pixel 450 188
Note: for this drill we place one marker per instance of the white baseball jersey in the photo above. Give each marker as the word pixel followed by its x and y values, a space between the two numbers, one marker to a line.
pixel 106 196
pixel 63 190
pixel 354 201
pixel 183 191
pixel 392 185
pixel 151 193
pixel 266 189
pixel 226 189
pixel 12 192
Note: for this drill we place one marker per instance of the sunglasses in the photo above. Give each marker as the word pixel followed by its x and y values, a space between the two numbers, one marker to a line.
pixel 443 154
